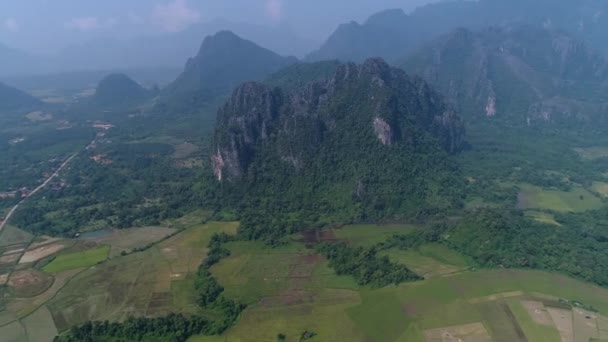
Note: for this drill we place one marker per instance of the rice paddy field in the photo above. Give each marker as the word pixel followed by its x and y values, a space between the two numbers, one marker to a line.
pixel 51 284
pixel 290 289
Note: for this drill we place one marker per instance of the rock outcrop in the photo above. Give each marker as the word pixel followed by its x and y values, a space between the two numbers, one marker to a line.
pixel 522 74
pixel 359 107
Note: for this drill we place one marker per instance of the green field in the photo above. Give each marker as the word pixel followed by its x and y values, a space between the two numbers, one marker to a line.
pixel 576 200
pixel 155 282
pixel 430 260
pixel 533 330
pixel 542 217
pixel 370 234
pixel 290 290
pixel 70 261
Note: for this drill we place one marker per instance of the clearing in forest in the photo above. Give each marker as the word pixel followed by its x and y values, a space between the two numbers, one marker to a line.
pixel 576 200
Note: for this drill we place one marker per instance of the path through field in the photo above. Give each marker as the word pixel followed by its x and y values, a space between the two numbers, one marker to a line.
pixel 41 186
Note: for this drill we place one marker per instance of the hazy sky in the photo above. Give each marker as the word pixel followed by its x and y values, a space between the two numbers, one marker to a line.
pixel 46 25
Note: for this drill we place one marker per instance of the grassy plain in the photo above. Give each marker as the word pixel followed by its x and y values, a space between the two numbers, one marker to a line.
pixel 576 200
pixel 430 260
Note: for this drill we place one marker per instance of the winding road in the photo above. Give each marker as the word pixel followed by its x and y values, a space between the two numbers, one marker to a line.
pixel 40 187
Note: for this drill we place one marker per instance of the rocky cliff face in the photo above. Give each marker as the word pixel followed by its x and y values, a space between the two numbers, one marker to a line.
pixel 370 107
pixel 527 75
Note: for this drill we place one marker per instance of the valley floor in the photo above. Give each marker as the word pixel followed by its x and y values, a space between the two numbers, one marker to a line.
pixel 55 284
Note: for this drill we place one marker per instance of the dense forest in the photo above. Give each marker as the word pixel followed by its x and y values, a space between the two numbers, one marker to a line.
pixel 508 239
pixel 365 265
pixel 361 151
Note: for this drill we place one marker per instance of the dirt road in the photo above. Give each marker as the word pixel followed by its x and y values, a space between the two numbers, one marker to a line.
pixel 41 186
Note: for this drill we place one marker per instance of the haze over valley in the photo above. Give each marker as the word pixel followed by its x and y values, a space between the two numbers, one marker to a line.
pixel 280 170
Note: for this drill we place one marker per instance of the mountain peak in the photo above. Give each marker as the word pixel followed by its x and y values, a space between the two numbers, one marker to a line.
pixel 223 61
pixel 118 89
pixel 371 100
pixel 387 17
pixel 357 135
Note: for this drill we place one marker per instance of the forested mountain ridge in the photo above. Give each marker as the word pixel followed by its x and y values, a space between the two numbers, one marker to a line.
pixel 342 149
pixel 14 99
pixel 392 34
pixel 116 89
pixel 526 74
pixel 224 60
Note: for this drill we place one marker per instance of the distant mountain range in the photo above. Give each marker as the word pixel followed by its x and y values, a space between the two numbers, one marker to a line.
pixel 525 74
pixel 223 61
pixel 392 34
pixel 162 50
pixel 13 62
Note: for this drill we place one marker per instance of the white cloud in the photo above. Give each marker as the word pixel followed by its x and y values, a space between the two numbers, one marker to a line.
pixel 175 15
pixel 86 24
pixel 11 24
pixel 274 9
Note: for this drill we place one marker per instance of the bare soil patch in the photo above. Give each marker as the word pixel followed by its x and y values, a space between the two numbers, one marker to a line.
pixel 563 322
pixel 9 259
pixel 585 325
pixel 3 278
pixel 36 254
pixel 46 240
pixel 23 307
pixel 313 237
pixel 495 297
pixel 474 332
pixel 30 283
pixel 410 310
pixel 538 312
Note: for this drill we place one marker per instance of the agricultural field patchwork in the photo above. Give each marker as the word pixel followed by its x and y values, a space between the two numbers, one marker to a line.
pixel 454 303
pixel 41 274
pixel 154 282
pixel 290 289
pixel 127 240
